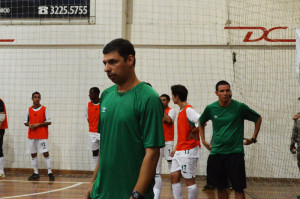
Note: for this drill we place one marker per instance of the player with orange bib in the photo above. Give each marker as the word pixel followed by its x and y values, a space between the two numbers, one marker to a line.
pixel 3 126
pixel 92 115
pixel 186 153
pixel 168 127
pixel 37 118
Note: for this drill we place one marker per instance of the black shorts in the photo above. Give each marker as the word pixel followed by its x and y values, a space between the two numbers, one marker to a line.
pixel 224 167
pixel 2 131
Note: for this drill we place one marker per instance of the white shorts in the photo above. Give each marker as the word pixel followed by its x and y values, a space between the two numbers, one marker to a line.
pixel 164 152
pixel 186 162
pixel 94 141
pixel 187 166
pixel 37 145
pixel 167 151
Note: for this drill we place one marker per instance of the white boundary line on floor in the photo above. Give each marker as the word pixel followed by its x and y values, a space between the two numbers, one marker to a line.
pixel 40 181
pixel 55 190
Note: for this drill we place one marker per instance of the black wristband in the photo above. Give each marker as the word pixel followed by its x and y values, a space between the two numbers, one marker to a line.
pixel 137 195
pixel 253 140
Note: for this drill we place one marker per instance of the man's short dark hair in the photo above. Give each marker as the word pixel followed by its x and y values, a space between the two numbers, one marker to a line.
pixel 166 96
pixel 122 46
pixel 96 90
pixel 35 93
pixel 222 82
pixel 180 91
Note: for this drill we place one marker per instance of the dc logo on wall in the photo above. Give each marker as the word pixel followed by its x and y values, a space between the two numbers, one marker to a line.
pixel 43 10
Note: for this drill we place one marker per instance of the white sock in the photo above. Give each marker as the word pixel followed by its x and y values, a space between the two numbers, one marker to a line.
pixel 95 160
pixel 177 190
pixel 35 165
pixel 2 165
pixel 157 186
pixel 192 191
pixel 169 165
pixel 48 164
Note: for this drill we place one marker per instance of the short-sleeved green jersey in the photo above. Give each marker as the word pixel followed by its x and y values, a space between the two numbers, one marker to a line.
pixel 228 126
pixel 129 122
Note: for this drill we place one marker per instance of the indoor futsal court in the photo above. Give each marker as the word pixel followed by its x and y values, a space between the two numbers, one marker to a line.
pixel 72 186
pixel 54 47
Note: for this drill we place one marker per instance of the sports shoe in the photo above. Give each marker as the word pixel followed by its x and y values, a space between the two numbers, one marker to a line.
pixel 208 187
pixel 298 197
pixel 2 175
pixel 51 177
pixel 34 176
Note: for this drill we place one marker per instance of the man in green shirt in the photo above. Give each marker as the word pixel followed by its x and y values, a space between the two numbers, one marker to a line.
pixel 226 159
pixel 131 130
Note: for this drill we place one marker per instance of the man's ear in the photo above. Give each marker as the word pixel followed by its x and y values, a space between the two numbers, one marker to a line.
pixel 130 59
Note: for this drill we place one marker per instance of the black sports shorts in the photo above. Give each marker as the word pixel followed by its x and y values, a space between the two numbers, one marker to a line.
pixel 224 167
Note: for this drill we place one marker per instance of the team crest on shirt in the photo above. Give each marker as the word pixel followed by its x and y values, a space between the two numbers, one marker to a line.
pixel 103 109
pixel 215 116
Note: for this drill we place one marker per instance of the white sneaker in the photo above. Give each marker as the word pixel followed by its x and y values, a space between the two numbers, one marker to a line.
pixel 2 175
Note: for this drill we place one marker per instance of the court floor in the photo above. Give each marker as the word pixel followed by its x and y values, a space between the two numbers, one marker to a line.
pixel 72 187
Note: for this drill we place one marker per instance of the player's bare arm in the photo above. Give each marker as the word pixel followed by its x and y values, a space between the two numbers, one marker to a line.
pixel 147 170
pixel 37 125
pixel 194 133
pixel 42 124
pixel 202 135
pixel 167 119
pixel 87 195
pixel 173 152
pixel 3 117
pixel 255 134
pixel 296 116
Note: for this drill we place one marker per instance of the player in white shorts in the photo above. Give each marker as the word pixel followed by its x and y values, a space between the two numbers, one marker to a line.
pixel 186 153
pixel 37 118
pixel 168 126
pixel 92 115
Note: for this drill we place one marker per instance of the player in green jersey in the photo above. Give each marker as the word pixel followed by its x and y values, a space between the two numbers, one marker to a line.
pixel 226 159
pixel 131 130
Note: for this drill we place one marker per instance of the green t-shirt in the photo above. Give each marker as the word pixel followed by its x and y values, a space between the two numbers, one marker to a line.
pixel 129 123
pixel 228 126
